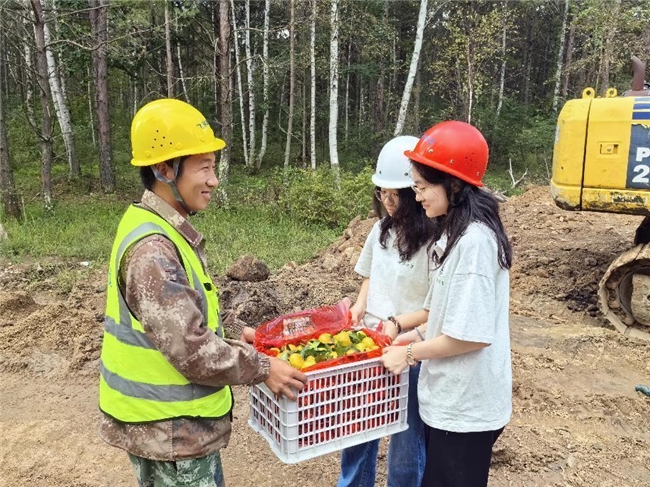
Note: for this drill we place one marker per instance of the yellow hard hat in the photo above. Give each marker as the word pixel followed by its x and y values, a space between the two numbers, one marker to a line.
pixel 165 129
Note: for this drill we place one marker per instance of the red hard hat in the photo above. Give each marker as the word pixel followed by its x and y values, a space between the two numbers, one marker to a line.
pixel 456 148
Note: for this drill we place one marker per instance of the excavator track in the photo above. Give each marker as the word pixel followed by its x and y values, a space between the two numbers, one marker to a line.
pixel 624 292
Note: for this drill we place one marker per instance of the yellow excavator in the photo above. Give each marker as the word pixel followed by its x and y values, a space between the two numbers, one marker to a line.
pixel 601 162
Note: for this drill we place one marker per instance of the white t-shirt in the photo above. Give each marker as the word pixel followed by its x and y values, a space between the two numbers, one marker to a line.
pixel 469 300
pixel 395 287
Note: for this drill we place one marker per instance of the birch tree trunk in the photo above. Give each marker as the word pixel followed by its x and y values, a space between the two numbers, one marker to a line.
pixel 29 70
pixel 59 56
pixel 45 96
pixel 265 82
pixel 10 202
pixel 224 99
pixel 99 31
pixel 415 59
pixel 292 80
pixel 250 67
pixel 61 105
pixel 503 62
pixel 168 49
pixel 244 134
pixel 29 87
pixel 334 87
pixel 560 57
pixel 312 65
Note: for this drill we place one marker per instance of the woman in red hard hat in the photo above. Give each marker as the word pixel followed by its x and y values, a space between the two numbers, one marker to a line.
pixel 465 383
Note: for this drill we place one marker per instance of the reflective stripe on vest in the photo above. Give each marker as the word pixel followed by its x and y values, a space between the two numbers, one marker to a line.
pixel 137 383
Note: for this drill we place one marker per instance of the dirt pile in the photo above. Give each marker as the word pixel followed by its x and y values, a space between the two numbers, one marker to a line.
pixel 50 339
pixel 576 418
pixel 45 329
pixel 559 258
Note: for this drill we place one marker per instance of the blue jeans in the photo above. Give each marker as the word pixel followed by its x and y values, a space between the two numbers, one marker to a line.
pixel 406 451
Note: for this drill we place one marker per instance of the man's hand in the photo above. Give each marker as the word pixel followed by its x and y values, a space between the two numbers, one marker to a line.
pixel 247 335
pixel 283 378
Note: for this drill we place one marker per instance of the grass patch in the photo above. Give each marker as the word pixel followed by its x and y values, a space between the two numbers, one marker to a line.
pixel 262 232
pixel 83 228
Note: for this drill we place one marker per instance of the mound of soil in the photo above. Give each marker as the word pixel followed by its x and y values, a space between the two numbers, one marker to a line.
pixel 559 258
pixel 576 420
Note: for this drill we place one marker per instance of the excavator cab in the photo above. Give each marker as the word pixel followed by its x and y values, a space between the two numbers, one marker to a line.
pixel 601 162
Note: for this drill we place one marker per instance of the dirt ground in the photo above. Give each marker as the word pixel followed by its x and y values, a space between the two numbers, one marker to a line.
pixel 577 419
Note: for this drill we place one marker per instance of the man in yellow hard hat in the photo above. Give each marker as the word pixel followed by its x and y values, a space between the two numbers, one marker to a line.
pixel 166 367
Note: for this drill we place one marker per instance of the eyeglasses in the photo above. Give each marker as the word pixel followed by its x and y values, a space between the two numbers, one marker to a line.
pixel 419 191
pixel 386 196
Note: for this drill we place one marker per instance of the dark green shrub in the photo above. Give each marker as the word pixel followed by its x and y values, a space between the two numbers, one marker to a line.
pixel 316 197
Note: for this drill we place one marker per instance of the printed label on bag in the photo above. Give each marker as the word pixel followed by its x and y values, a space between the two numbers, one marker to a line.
pixel 297 326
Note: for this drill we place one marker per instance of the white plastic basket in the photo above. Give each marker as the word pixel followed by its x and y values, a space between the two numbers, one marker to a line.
pixel 339 407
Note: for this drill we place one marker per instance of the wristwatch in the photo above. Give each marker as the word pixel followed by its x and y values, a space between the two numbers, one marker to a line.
pixel 410 360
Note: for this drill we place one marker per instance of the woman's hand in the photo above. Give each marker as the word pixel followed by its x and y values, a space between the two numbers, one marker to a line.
pixel 394 359
pixel 389 329
pixel 406 338
pixel 357 312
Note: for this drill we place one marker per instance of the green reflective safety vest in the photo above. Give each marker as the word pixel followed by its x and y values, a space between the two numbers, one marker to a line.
pixel 137 383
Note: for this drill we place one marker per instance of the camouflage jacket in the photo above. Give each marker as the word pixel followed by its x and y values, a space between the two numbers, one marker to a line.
pixel 157 291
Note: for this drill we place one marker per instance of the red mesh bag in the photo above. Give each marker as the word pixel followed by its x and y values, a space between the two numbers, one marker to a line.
pixel 301 326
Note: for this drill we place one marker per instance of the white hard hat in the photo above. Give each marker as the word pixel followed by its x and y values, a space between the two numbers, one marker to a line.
pixel 393 167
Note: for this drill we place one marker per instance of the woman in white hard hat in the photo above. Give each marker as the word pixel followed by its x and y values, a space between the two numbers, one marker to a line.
pixel 395 267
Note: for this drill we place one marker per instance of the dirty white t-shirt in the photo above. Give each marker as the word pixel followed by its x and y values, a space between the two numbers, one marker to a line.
pixel 469 300
pixel 395 287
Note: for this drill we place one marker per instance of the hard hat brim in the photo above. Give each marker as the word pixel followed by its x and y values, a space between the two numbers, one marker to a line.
pixel 385 183
pixel 414 156
pixel 211 146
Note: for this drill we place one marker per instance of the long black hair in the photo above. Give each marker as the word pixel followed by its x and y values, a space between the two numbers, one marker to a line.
pixel 413 228
pixel 467 204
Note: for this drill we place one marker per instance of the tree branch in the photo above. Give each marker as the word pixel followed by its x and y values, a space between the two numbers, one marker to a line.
pixel 512 176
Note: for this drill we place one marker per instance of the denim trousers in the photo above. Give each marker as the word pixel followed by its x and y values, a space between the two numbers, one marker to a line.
pixel 406 451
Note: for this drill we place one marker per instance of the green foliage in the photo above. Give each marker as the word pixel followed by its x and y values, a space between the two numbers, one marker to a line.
pixel 77 228
pixel 316 197
pixel 81 227
pixel 262 231
pixel 518 139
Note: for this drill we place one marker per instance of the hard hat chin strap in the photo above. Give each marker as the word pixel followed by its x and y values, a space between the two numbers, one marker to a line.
pixel 172 184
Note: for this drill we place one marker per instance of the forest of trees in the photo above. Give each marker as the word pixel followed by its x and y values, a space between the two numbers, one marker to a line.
pixel 298 83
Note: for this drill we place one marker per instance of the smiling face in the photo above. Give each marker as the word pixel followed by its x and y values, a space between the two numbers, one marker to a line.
pixel 195 184
pixel 433 197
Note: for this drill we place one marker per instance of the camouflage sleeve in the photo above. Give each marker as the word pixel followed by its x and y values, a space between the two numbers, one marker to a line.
pixel 158 293
pixel 232 326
